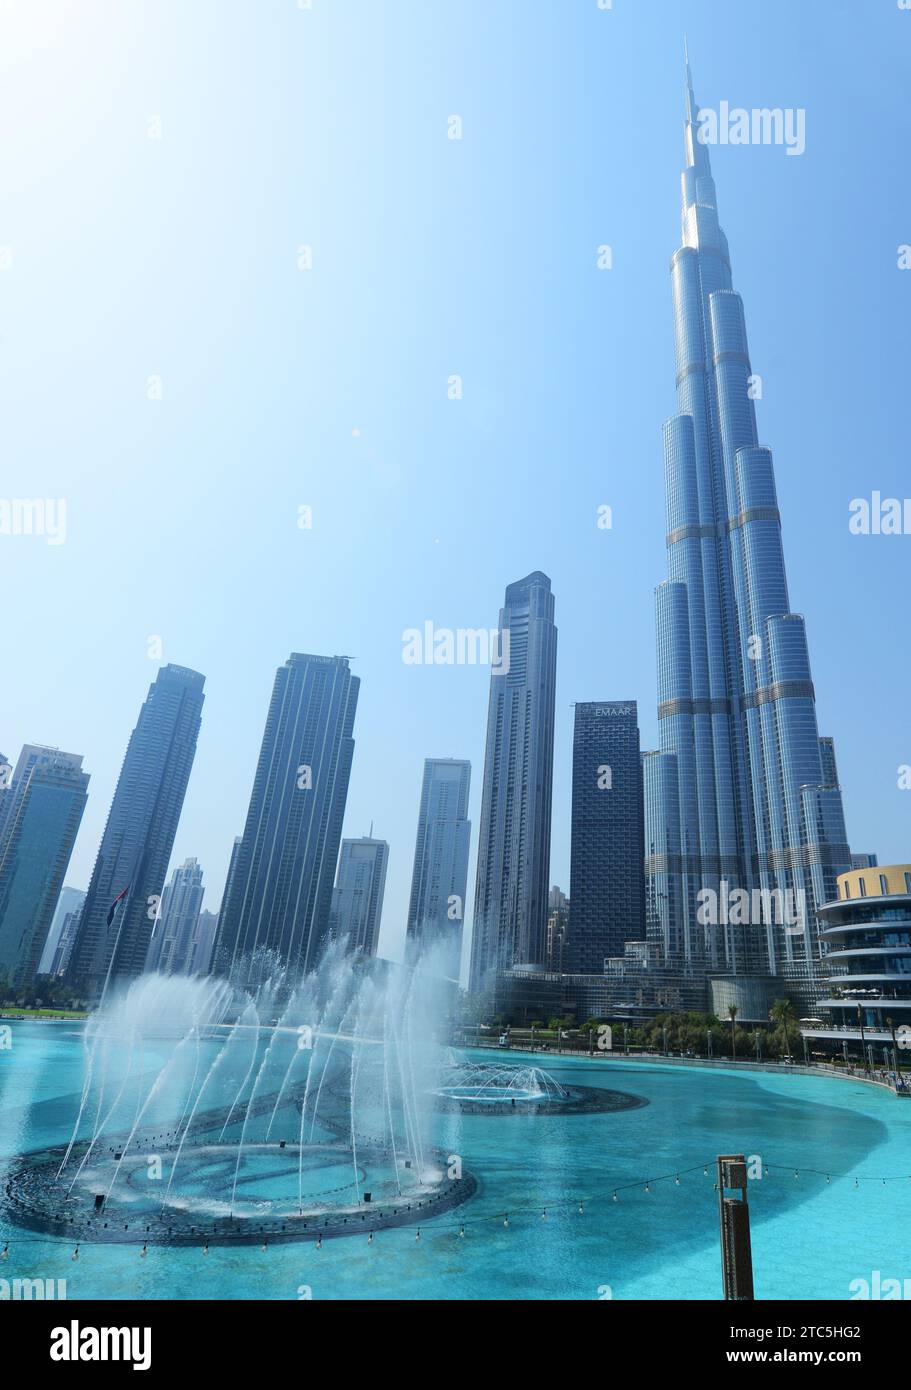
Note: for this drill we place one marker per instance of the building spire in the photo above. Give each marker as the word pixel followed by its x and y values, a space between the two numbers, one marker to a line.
pixel 692 110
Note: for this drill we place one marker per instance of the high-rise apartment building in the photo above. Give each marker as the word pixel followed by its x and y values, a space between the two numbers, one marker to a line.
pixel 279 891
pixel 128 879
pixel 510 909
pixel 48 798
pixel 436 907
pixel 357 898
pixel 171 948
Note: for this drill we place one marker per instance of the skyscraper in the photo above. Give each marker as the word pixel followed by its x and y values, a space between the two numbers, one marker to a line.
pixel 758 805
pixel 558 910
pixel 171 948
pixel 357 898
pixel 279 890
pixel 607 883
pixel 48 799
pixel 510 911
pixel 439 879
pixel 15 780
pixel 203 943
pixel 69 902
pixel 132 861
pixel 60 960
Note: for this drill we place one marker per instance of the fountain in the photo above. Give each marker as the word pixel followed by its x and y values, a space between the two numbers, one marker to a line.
pixel 258 1109
pixel 484 1088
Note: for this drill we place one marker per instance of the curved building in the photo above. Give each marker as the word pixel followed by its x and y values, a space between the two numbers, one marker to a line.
pixel 866 936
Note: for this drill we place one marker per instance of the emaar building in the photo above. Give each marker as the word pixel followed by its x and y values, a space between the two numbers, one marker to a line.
pixel 607 884
pixel 744 793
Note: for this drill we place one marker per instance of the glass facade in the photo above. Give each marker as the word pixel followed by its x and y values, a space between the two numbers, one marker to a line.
pixel 357 898
pixel 171 947
pixel 439 880
pixel 510 911
pixel 278 893
pixel 46 807
pixel 758 805
pixel 139 835
pixel 607 887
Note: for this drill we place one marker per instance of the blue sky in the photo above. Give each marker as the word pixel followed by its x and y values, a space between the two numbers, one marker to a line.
pixel 177 257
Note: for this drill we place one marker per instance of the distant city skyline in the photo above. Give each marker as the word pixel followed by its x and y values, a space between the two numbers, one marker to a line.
pixel 182 513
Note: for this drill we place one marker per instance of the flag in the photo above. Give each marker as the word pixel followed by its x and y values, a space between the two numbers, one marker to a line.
pixel 112 909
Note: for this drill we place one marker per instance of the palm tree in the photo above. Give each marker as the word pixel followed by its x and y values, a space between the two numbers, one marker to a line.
pixel 732 1015
pixel 890 1024
pixel 863 1038
pixel 782 1013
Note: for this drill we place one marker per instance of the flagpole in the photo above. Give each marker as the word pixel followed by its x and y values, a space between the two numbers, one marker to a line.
pixel 107 977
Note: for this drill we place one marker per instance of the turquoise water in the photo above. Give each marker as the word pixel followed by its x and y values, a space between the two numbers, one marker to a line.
pixel 810 1238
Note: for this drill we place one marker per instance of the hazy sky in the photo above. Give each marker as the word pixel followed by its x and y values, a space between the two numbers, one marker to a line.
pixel 162 164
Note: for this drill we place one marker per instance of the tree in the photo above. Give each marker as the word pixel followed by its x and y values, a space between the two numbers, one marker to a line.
pixel 863 1037
pixel 732 1015
pixel 782 1013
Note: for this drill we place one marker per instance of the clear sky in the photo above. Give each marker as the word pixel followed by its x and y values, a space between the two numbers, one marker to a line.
pixel 177 257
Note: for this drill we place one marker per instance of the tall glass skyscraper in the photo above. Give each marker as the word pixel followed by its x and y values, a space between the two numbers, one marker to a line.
pixel 174 937
pixel 607 883
pixel 69 905
pixel 744 793
pixel 510 909
pixel 279 890
pixel 436 908
pixel 47 802
pixel 357 898
pixel 129 874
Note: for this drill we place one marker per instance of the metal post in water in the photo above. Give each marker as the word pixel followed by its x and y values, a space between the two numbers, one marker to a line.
pixel 734 1220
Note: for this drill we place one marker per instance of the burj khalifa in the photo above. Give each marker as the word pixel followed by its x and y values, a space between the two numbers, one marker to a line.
pixel 745 829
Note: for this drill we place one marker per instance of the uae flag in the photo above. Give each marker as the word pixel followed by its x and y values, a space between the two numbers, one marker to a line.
pixel 113 908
